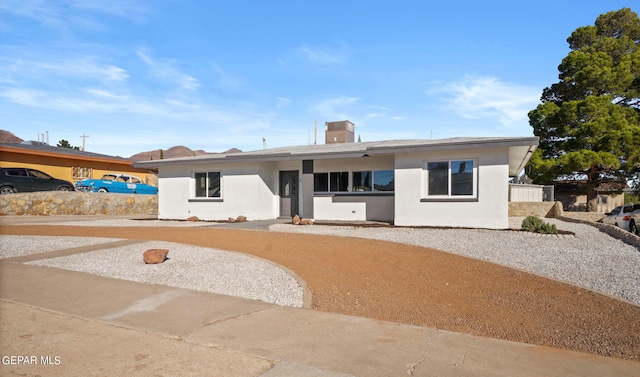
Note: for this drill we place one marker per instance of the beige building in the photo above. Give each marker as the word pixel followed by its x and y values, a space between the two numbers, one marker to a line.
pixel 69 164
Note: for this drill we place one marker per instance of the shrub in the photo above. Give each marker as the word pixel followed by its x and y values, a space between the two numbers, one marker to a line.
pixel 535 224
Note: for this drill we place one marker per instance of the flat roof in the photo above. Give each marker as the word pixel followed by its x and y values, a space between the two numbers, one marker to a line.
pixel 519 151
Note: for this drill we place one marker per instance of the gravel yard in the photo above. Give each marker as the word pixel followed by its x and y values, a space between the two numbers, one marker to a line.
pixel 15 246
pixel 409 280
pixel 589 258
pixel 189 267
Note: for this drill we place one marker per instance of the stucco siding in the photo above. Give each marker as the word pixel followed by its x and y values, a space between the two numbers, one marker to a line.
pixel 488 209
pixel 352 206
pixel 246 189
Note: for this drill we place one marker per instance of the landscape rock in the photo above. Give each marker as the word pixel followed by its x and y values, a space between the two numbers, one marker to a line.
pixel 306 222
pixel 296 220
pixel 193 218
pixel 155 256
pixel 231 220
pixel 241 219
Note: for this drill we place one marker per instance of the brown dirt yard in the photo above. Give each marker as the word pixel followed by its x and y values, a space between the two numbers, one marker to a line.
pixel 417 286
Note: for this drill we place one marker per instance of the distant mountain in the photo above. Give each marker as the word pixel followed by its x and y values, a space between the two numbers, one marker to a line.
pixel 173 152
pixel 7 137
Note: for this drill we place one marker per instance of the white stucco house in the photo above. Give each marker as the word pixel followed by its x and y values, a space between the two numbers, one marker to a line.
pixel 459 182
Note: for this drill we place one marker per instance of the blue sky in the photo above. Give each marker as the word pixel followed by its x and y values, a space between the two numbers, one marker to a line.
pixel 138 75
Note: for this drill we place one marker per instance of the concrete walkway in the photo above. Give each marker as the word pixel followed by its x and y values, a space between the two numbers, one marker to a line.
pixel 72 323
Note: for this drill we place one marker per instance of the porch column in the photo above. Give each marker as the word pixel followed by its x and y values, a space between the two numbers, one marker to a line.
pixel 307 189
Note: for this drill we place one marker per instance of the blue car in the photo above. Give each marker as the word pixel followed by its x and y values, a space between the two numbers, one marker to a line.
pixel 116 183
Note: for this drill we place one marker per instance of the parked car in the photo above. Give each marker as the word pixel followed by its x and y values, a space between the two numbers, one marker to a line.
pixel 116 183
pixel 621 216
pixel 634 222
pixel 28 180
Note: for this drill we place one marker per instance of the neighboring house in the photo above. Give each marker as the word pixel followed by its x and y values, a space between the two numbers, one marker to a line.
pixel 68 164
pixel 526 192
pixel 574 198
pixel 460 182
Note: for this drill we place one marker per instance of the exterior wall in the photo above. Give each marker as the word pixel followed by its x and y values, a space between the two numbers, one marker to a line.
pixel 572 202
pixel 247 189
pixel 490 210
pixel 525 193
pixel 354 208
pixel 350 206
pixel 61 167
pixel 252 189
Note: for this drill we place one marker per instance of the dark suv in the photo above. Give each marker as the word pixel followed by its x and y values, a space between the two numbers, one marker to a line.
pixel 25 180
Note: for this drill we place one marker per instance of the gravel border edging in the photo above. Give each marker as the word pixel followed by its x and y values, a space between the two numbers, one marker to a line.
pixel 612 230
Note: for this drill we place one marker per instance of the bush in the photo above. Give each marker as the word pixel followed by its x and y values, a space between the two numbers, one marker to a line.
pixel 535 224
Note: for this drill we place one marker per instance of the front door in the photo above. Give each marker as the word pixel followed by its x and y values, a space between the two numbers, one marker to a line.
pixel 289 193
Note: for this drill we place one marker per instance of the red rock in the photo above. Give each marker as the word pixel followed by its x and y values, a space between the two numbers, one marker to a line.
pixel 193 218
pixel 154 256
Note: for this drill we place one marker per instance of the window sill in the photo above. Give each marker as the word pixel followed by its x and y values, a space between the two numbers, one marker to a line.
pixel 448 199
pixel 355 193
pixel 206 200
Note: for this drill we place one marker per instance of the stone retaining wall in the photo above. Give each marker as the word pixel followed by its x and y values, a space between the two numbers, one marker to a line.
pixel 584 216
pixel 612 230
pixel 539 209
pixel 77 203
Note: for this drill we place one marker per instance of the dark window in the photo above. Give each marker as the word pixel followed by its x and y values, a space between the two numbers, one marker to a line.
pixel 339 181
pixel 321 182
pixel 17 172
pixel 451 178
pixel 361 181
pixel 383 180
pixel 438 178
pixel 462 177
pixel 207 184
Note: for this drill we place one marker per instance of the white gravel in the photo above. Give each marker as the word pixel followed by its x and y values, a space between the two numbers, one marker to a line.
pixel 590 259
pixel 16 246
pixel 190 267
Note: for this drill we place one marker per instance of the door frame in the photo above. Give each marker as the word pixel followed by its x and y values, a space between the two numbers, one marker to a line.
pixel 289 201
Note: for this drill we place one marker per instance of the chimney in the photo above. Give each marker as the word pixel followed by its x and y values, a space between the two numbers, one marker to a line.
pixel 339 132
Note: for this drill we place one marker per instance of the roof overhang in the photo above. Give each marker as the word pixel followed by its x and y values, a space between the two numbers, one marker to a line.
pixel 60 154
pixel 520 151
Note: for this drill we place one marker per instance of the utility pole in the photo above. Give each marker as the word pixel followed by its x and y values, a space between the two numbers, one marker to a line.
pixel 84 137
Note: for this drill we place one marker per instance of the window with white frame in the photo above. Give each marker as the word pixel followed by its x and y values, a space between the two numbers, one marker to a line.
pixel 451 179
pixel 207 184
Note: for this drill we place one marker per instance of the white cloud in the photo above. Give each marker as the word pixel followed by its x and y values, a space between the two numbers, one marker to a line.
pixel 487 97
pixel 106 94
pixel 320 55
pixel 71 69
pixel 65 15
pixel 283 102
pixel 226 80
pixel 164 69
pixel 333 108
